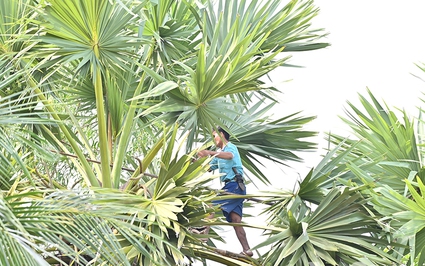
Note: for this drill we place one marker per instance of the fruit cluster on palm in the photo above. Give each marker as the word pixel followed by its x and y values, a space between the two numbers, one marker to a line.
pixel 103 105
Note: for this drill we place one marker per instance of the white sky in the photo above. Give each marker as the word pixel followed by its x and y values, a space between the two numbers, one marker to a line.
pixel 374 44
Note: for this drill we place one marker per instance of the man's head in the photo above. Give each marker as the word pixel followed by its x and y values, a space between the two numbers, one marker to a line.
pixel 225 134
pixel 221 137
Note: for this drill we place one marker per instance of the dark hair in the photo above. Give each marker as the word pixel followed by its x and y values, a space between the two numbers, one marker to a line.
pixel 225 134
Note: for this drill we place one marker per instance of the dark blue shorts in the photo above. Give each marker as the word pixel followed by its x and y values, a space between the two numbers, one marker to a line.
pixel 231 205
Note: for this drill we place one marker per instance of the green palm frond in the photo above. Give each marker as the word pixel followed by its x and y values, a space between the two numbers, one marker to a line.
pixel 407 217
pixel 387 145
pixel 276 140
pixel 15 240
pixel 332 171
pixel 92 32
pixel 173 27
pixel 294 32
pixel 287 25
pixel 338 232
pixel 15 28
pixel 100 226
pixel 20 118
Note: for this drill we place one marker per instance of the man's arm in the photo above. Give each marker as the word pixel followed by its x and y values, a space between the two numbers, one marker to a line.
pixel 219 154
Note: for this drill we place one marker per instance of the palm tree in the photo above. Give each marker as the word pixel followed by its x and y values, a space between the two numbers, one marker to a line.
pixel 95 97
pixel 103 104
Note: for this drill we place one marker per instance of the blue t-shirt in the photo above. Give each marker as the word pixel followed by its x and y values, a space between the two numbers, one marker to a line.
pixel 225 166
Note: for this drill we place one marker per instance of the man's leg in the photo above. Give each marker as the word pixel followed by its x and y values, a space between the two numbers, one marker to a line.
pixel 240 233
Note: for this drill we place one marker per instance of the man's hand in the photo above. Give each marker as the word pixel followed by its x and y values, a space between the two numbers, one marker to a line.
pixel 204 153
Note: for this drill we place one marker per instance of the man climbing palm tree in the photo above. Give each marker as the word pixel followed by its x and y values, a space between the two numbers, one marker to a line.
pixel 227 160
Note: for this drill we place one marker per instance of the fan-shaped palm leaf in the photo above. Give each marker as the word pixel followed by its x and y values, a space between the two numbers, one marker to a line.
pixel 387 145
pixel 338 232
